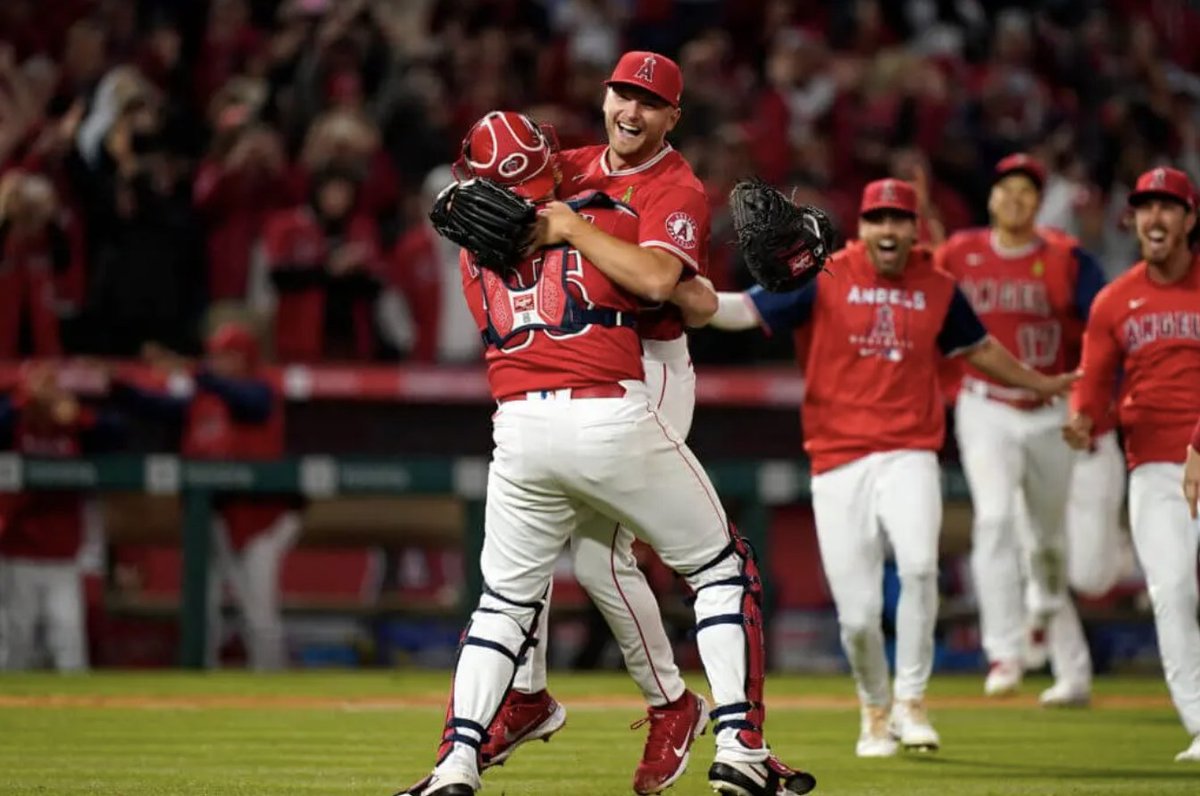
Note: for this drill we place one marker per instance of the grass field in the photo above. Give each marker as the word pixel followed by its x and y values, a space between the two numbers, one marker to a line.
pixel 370 733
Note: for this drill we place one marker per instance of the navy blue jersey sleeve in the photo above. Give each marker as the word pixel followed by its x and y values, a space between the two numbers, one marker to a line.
pixel 961 328
pixel 782 312
pixel 249 400
pixel 1089 279
pixel 153 402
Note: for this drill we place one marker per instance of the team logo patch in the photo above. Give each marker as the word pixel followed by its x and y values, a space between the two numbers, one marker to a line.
pixel 523 303
pixel 888 192
pixel 513 165
pixel 1158 179
pixel 682 229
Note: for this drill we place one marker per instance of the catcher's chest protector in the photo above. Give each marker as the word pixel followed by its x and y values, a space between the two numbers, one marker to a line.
pixel 546 306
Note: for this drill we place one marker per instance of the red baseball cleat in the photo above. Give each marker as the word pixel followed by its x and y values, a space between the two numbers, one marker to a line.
pixel 673 729
pixel 522 717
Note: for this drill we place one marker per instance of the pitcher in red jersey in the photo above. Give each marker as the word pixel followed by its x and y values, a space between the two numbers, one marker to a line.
pixel 1146 324
pixel 1032 290
pixel 883 317
pixel 577 436
pixel 639 167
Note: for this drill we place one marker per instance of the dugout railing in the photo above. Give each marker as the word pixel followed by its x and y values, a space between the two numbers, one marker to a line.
pixel 755 486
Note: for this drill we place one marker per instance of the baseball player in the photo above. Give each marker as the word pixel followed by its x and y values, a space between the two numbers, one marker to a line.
pixel 882 318
pixel 576 436
pixel 231 411
pixel 41 533
pixel 1028 288
pixel 637 166
pixel 1146 324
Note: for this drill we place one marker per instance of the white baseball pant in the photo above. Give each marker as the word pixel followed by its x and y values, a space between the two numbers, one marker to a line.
pixel 603 560
pixel 557 463
pixel 895 495
pixel 252 574
pixel 49 594
pixel 1166 538
pixel 1006 453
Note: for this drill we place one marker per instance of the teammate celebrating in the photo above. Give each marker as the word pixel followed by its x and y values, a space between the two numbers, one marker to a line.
pixel 641 106
pixel 1030 290
pixel 1146 324
pixel 576 436
pixel 883 317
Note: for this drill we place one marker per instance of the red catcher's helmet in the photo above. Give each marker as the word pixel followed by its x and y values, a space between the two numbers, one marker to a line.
pixel 509 149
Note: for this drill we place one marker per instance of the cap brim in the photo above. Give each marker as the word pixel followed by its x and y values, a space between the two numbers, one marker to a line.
pixel 1037 179
pixel 639 87
pixel 893 208
pixel 1138 197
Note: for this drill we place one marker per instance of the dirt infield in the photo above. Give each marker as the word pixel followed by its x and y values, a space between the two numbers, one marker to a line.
pixel 438 701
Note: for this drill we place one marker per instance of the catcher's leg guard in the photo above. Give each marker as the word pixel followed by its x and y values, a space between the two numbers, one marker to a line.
pixel 499 634
pixel 729 633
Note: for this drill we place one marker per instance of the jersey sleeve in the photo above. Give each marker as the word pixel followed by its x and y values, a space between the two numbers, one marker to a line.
pixel 961 328
pixel 675 219
pixel 782 312
pixel 1093 393
pixel 1089 281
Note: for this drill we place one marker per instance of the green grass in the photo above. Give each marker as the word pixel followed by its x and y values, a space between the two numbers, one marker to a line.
pixel 352 736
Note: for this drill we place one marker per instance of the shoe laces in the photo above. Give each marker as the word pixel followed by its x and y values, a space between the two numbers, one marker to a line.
pixel 663 725
pixel 877 720
pixel 915 710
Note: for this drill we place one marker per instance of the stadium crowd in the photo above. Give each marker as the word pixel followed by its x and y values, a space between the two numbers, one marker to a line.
pixel 160 159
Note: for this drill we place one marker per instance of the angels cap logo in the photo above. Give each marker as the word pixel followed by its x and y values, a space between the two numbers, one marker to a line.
pixel 646 70
pixel 513 165
pixel 888 192
pixel 682 229
pixel 1158 179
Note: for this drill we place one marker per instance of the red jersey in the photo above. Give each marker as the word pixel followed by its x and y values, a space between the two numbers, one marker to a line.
pixel 1151 332
pixel 531 346
pixel 671 204
pixel 872 372
pixel 1032 301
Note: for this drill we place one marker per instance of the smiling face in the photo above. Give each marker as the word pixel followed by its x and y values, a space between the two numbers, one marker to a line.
pixel 1162 227
pixel 637 123
pixel 1014 202
pixel 889 236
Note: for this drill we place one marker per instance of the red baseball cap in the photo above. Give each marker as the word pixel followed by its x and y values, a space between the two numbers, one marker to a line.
pixel 1020 163
pixel 1164 182
pixel 510 149
pixel 655 73
pixel 889 194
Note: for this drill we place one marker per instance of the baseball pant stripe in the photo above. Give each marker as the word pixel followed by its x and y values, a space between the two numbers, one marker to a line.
pixel 612 562
pixel 703 482
pixel 662 393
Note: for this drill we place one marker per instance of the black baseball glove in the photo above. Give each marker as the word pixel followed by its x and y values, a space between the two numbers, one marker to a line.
pixel 486 219
pixel 784 245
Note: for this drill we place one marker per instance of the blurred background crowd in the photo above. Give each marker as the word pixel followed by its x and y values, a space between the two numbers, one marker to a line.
pixel 162 158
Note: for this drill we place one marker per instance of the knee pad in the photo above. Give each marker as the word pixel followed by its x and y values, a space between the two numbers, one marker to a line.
pixel 728 591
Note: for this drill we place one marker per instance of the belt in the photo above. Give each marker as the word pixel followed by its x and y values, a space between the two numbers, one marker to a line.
pixel 567 394
pixel 1012 396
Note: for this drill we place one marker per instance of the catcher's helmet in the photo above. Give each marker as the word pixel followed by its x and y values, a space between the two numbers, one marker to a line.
pixel 509 149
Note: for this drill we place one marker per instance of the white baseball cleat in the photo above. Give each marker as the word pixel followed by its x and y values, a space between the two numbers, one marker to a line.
pixel 910 725
pixel 1191 754
pixel 445 782
pixel 1003 678
pixel 1064 694
pixel 875 739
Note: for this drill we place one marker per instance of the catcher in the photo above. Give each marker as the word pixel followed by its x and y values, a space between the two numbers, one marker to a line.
pixel 883 318
pixel 577 437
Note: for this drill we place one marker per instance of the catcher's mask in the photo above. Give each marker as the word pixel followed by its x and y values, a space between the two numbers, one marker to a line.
pixel 509 149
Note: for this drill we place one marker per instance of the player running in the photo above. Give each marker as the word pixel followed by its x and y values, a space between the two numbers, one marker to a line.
pixel 1030 290
pixel 883 317
pixel 576 437
pixel 1146 324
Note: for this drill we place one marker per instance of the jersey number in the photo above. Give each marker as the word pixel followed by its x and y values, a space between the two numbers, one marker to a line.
pixel 1038 343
